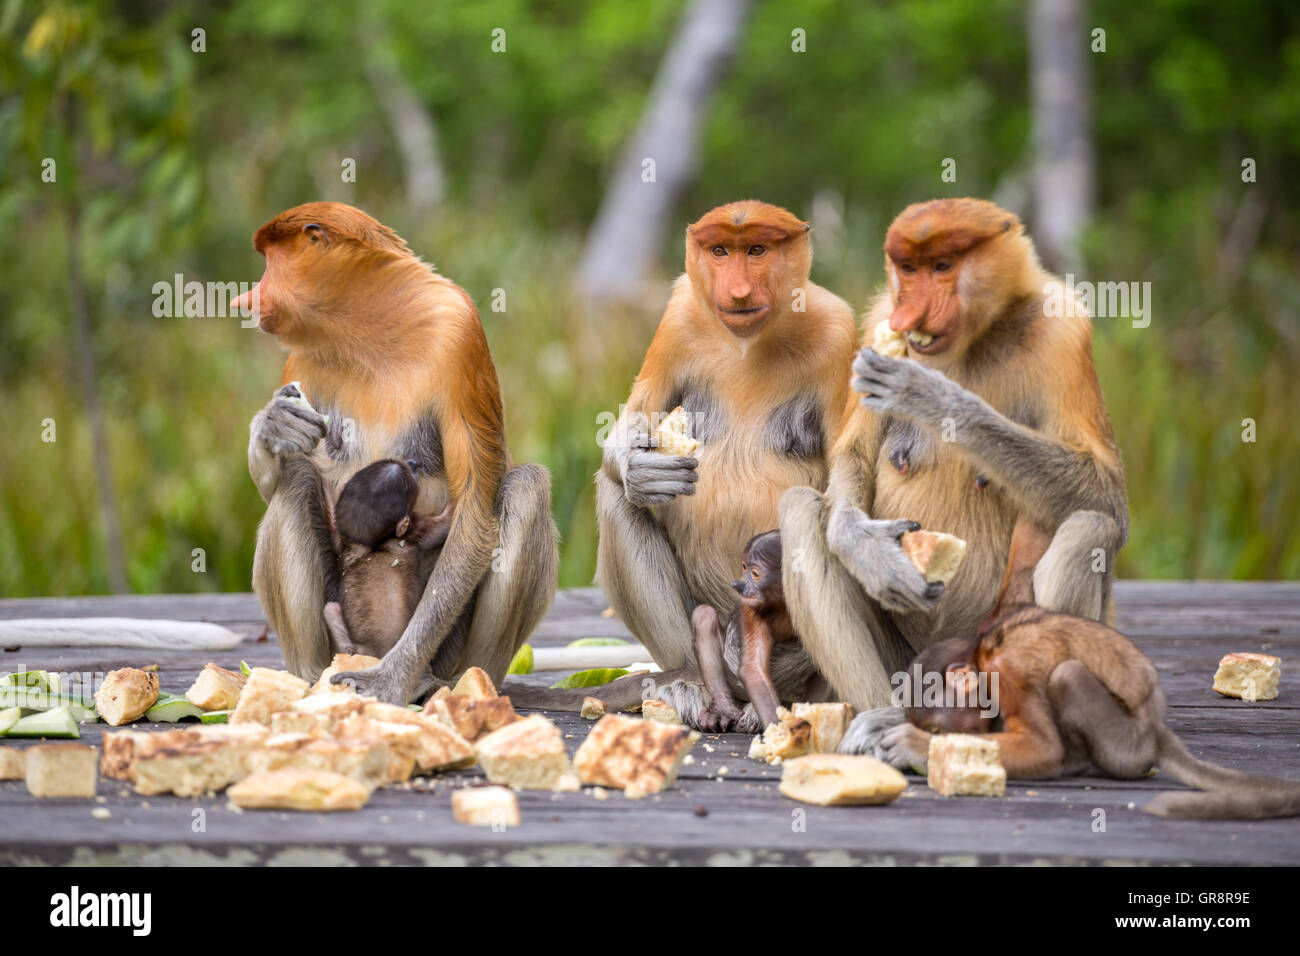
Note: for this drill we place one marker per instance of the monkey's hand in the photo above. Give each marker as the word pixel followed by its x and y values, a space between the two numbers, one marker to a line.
pixel 868 728
pixel 905 747
pixel 284 427
pixel 871 552
pixel 907 389
pixel 652 478
pixel 383 682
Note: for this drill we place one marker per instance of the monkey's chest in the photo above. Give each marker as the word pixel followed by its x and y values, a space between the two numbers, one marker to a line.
pixel 747 460
pixel 921 478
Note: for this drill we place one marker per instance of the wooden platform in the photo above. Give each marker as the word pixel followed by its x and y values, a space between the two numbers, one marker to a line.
pixel 708 817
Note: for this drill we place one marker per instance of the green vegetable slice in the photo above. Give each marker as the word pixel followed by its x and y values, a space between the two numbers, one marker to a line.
pixel 50 723
pixel 523 661
pixel 33 698
pixel 244 668
pixel 216 716
pixel 8 717
pixel 169 708
pixel 598 642
pixel 591 678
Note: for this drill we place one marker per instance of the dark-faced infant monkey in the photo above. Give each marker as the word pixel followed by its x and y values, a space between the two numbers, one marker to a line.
pixel 761 658
pixel 384 555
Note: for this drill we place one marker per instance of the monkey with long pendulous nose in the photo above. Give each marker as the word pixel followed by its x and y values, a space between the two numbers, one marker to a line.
pixel 760 640
pixel 385 556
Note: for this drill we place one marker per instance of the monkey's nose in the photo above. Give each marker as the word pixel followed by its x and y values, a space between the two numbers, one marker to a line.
pixel 739 586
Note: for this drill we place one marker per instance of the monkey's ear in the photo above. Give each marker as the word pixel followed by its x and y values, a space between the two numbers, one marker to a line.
pixel 403 525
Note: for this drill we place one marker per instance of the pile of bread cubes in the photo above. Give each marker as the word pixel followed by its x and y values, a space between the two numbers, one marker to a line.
pixel 284 744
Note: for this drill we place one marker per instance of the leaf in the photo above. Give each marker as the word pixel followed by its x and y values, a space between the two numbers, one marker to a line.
pixel 591 678
pixel 523 661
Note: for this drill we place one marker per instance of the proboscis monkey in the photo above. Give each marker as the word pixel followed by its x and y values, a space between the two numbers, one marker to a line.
pixel 994 414
pixel 386 553
pixel 759 636
pixel 1074 696
pixel 395 355
pixel 759 357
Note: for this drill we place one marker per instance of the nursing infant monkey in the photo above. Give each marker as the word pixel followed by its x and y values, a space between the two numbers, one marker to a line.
pixel 385 554
pixel 1073 695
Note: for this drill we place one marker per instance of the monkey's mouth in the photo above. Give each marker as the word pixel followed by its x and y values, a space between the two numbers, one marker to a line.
pixel 926 344
pixel 744 321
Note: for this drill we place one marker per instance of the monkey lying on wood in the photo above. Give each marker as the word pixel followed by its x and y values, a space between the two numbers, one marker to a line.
pixel 384 553
pixel 1073 695
pixel 759 640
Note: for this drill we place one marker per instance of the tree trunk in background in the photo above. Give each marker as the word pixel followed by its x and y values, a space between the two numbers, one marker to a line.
pixel 1063 184
pixel 417 137
pixel 633 215
pixel 84 345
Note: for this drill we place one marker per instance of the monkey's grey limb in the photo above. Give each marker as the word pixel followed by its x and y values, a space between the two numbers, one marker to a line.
pixel 520 584
pixel 849 639
pixel 295 569
pixel 622 694
pixel 638 570
pixel 866 733
pixel 284 427
pixel 338 629
pixel 1075 573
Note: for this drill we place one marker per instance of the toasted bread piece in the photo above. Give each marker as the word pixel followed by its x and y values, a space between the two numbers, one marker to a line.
pixel 266 692
pixel 471 717
pixel 125 695
pixel 193 761
pixel 935 554
pixel 888 342
pixel 832 780
pixel 403 740
pixel 341 664
pixel 966 765
pixel 13 763
pixel 660 711
pixel 673 436
pixel 61 770
pixel 317 713
pixel 299 790
pixel 117 759
pixel 1248 676
pixel 593 708
pixel 439 747
pixel 494 807
pixel 475 683
pixel 363 759
pixel 216 688
pixel 634 755
pixel 829 723
pixel 790 736
pixel 527 754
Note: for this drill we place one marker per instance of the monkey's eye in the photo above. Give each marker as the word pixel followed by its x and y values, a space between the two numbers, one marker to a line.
pixel 942 266
pixel 757 250
pixel 754 574
pixel 718 251
pixel 314 231
pixel 909 269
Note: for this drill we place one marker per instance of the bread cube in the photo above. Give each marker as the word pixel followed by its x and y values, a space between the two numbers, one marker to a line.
pixel 125 695
pixel 832 780
pixel 61 770
pixel 216 688
pixel 966 765
pixel 266 692
pixel 637 756
pixel 494 807
pixel 299 790
pixel 1248 676
pixel 527 754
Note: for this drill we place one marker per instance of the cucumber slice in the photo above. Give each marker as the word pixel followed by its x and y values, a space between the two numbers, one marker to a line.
pixel 33 698
pixel 244 668
pixel 42 680
pixel 598 642
pixel 592 678
pixel 169 708
pixel 8 717
pixel 523 661
pixel 216 716
pixel 58 722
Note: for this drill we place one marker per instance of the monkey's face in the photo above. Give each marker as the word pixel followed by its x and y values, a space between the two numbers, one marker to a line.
pixel 942 273
pixel 760 579
pixel 376 502
pixel 745 260
pixel 320 263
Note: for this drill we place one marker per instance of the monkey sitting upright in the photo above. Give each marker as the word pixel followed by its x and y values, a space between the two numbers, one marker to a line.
pixel 760 640
pixel 383 550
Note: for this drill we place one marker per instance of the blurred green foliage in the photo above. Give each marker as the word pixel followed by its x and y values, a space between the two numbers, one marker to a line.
pixel 168 159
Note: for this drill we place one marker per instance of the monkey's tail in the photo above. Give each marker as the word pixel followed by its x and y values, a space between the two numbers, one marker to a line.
pixel 1227 794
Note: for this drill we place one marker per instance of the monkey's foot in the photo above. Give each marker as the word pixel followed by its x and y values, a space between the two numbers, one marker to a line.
pixel 865 732
pixel 378 682
pixel 717 720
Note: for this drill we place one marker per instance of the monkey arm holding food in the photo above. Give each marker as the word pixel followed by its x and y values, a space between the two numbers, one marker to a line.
pixel 648 477
pixel 1065 479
